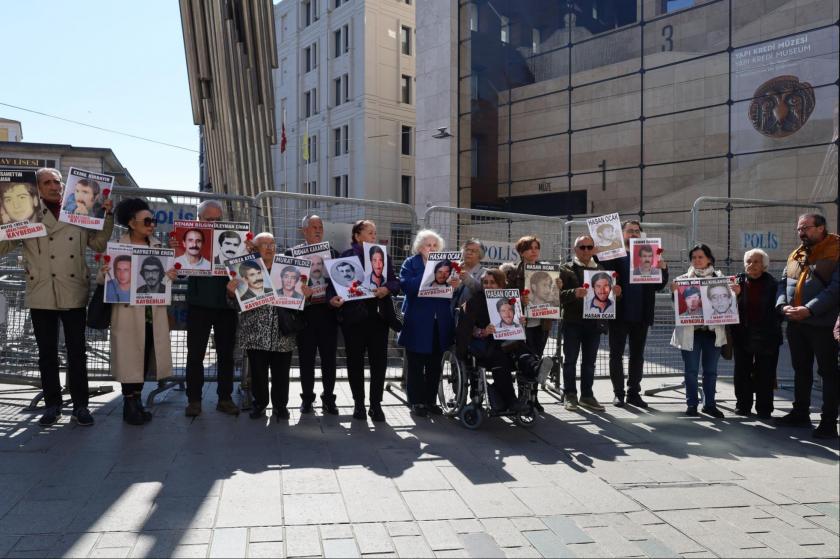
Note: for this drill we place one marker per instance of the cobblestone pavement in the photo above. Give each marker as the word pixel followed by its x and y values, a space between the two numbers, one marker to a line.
pixel 626 482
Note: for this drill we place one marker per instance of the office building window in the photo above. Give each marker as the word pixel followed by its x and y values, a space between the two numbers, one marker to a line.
pixel 337 92
pixel 405 190
pixel 473 16
pixel 505 31
pixel 310 102
pixel 341 41
pixel 336 43
pixel 341 140
pixel 405 39
pixel 309 12
pixel 341 186
pixel 345 81
pixel 345 35
pixel 345 133
pixel 310 57
pixel 336 141
pixel 312 188
pixel 406 140
pixel 405 93
pixel 535 41
pixel 313 148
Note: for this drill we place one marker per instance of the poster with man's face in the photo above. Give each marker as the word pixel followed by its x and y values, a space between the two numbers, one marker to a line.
pixel 544 297
pixel 720 305
pixel 228 242
pixel 118 277
pixel 254 288
pixel 644 260
pixel 195 247
pixel 606 232
pixel 439 269
pixel 376 265
pixel 599 302
pixel 19 205
pixel 347 276
pixel 84 198
pixel 317 281
pixel 504 308
pixel 288 276
pixel 149 283
pixel 688 302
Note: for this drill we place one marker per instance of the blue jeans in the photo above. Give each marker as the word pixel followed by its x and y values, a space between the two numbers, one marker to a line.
pixel 705 351
pixel 579 336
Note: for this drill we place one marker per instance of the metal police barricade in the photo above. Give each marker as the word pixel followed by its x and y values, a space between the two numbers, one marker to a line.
pixel 281 214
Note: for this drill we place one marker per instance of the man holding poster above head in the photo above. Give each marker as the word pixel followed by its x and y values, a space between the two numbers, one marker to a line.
pixel 634 310
pixel 57 291
pixel 84 198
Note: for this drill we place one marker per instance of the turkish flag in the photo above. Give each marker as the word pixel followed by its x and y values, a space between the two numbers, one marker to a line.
pixel 283 138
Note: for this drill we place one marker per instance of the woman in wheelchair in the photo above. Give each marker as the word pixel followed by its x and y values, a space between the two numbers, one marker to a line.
pixel 474 336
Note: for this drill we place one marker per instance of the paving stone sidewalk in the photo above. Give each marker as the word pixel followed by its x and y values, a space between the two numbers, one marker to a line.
pixel 624 483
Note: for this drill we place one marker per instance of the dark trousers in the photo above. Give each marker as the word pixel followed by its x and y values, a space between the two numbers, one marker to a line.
pixel 619 332
pixel 199 322
pixel 45 324
pixel 755 373
pixel 131 388
pixel 580 337
pixel 369 336
pixel 536 338
pixel 279 363
pixel 806 343
pixel 423 374
pixel 319 336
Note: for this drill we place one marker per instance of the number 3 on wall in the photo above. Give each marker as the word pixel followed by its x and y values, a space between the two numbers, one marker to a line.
pixel 668 35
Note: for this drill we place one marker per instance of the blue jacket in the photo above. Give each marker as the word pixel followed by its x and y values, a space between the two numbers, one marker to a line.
pixel 421 314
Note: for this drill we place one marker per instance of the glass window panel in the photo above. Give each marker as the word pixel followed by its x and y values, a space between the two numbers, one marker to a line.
pixel 692 84
pixel 687 34
pixel 760 20
pixel 607 102
pixel 618 146
pixel 612 55
pixel 537 116
pixel 610 191
pixel 550 64
pixel 689 135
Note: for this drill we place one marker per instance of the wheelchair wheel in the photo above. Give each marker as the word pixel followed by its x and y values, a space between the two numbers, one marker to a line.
pixel 526 418
pixel 471 416
pixel 452 390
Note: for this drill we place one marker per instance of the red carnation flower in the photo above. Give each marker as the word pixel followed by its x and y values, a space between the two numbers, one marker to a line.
pixel 107 258
pixel 658 250
pixel 526 292
pixel 97 256
pixel 177 265
pixel 249 235
pixel 615 274
pixel 586 286
pixel 172 234
pixel 303 278
pixel 106 192
pixel 512 300
pixel 232 274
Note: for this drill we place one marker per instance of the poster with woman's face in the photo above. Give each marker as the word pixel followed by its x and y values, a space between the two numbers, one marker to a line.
pixel 599 302
pixel 504 308
pixel 288 276
pixel 644 260
pixel 19 205
pixel 376 265
pixel 439 268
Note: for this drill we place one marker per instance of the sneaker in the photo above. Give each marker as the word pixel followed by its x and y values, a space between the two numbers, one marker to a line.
pixel 375 412
pixel 51 415
pixel 228 407
pixel 825 430
pixel 794 419
pixel 546 364
pixel 618 401
pixel 691 411
pixel 571 402
pixel 591 403
pixel 419 410
pixel 359 411
pixel 636 400
pixel 193 409
pixel 82 417
pixel 714 412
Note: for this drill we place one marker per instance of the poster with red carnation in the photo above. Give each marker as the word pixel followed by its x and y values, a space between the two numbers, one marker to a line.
pixel 84 198
pixel 505 309
pixel 440 267
pixel 347 276
pixel 645 255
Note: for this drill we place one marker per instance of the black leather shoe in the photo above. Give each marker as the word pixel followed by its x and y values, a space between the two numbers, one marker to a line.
pixel 794 419
pixel 359 411
pixel 306 407
pixel 691 411
pixel 419 410
pixel 328 405
pixel 636 400
pixel 825 430
pixel 51 415
pixel 257 413
pixel 714 412
pixel 618 401
pixel 82 417
pixel 132 413
pixel 280 413
pixel 147 415
pixel 375 412
pixel 743 412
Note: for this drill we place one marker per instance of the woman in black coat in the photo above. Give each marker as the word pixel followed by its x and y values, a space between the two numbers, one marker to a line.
pixel 757 338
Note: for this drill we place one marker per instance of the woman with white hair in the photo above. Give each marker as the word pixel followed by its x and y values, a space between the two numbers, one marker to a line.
pixel 428 328
pixel 756 339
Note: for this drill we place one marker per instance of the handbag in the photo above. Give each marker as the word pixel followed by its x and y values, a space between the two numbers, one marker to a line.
pixel 291 322
pixel 98 311
pixel 391 312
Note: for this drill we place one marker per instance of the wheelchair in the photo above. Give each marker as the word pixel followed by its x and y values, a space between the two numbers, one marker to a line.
pixel 464 393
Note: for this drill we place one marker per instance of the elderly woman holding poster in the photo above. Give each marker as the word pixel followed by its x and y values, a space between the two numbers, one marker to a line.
pixel 428 327
pixel 140 342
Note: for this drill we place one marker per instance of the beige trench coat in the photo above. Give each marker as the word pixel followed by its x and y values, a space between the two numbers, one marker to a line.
pixel 57 277
pixel 128 337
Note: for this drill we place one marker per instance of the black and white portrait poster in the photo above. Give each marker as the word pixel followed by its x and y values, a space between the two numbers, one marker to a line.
pixel 376 265
pixel 544 296
pixel 118 278
pixel 720 305
pixel 149 282
pixel 439 268
pixel 504 307
pixel 228 242
pixel 254 287
pixel 20 205
pixel 316 254
pixel 599 302
pixel 644 260
pixel 688 302
pixel 84 196
pixel 606 232
pixel 347 276
pixel 195 247
pixel 288 276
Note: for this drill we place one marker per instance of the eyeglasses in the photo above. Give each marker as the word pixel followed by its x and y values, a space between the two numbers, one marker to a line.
pixel 585 247
pixel 149 221
pixel 805 228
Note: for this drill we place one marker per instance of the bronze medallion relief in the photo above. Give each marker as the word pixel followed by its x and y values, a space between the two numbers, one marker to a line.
pixel 781 106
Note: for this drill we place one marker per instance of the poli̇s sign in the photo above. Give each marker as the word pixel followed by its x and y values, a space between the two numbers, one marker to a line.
pixel 765 240
pixel 166 214
pixel 496 252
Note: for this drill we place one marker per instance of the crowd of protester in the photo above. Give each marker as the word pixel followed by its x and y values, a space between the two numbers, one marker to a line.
pixel 805 297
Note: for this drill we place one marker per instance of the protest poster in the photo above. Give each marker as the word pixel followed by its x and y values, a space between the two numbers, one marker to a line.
pixel 254 287
pixel 599 301
pixel 688 302
pixel 316 254
pixel 606 232
pixel 20 205
pixel 376 265
pixel 439 268
pixel 544 297
pixel 118 278
pixel 149 282
pixel 288 276
pixel 228 242
pixel 347 276
pixel 195 247
pixel 720 305
pixel 644 260
pixel 504 308
pixel 84 198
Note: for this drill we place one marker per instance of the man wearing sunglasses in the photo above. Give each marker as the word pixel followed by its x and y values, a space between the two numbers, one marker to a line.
pixel 57 290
